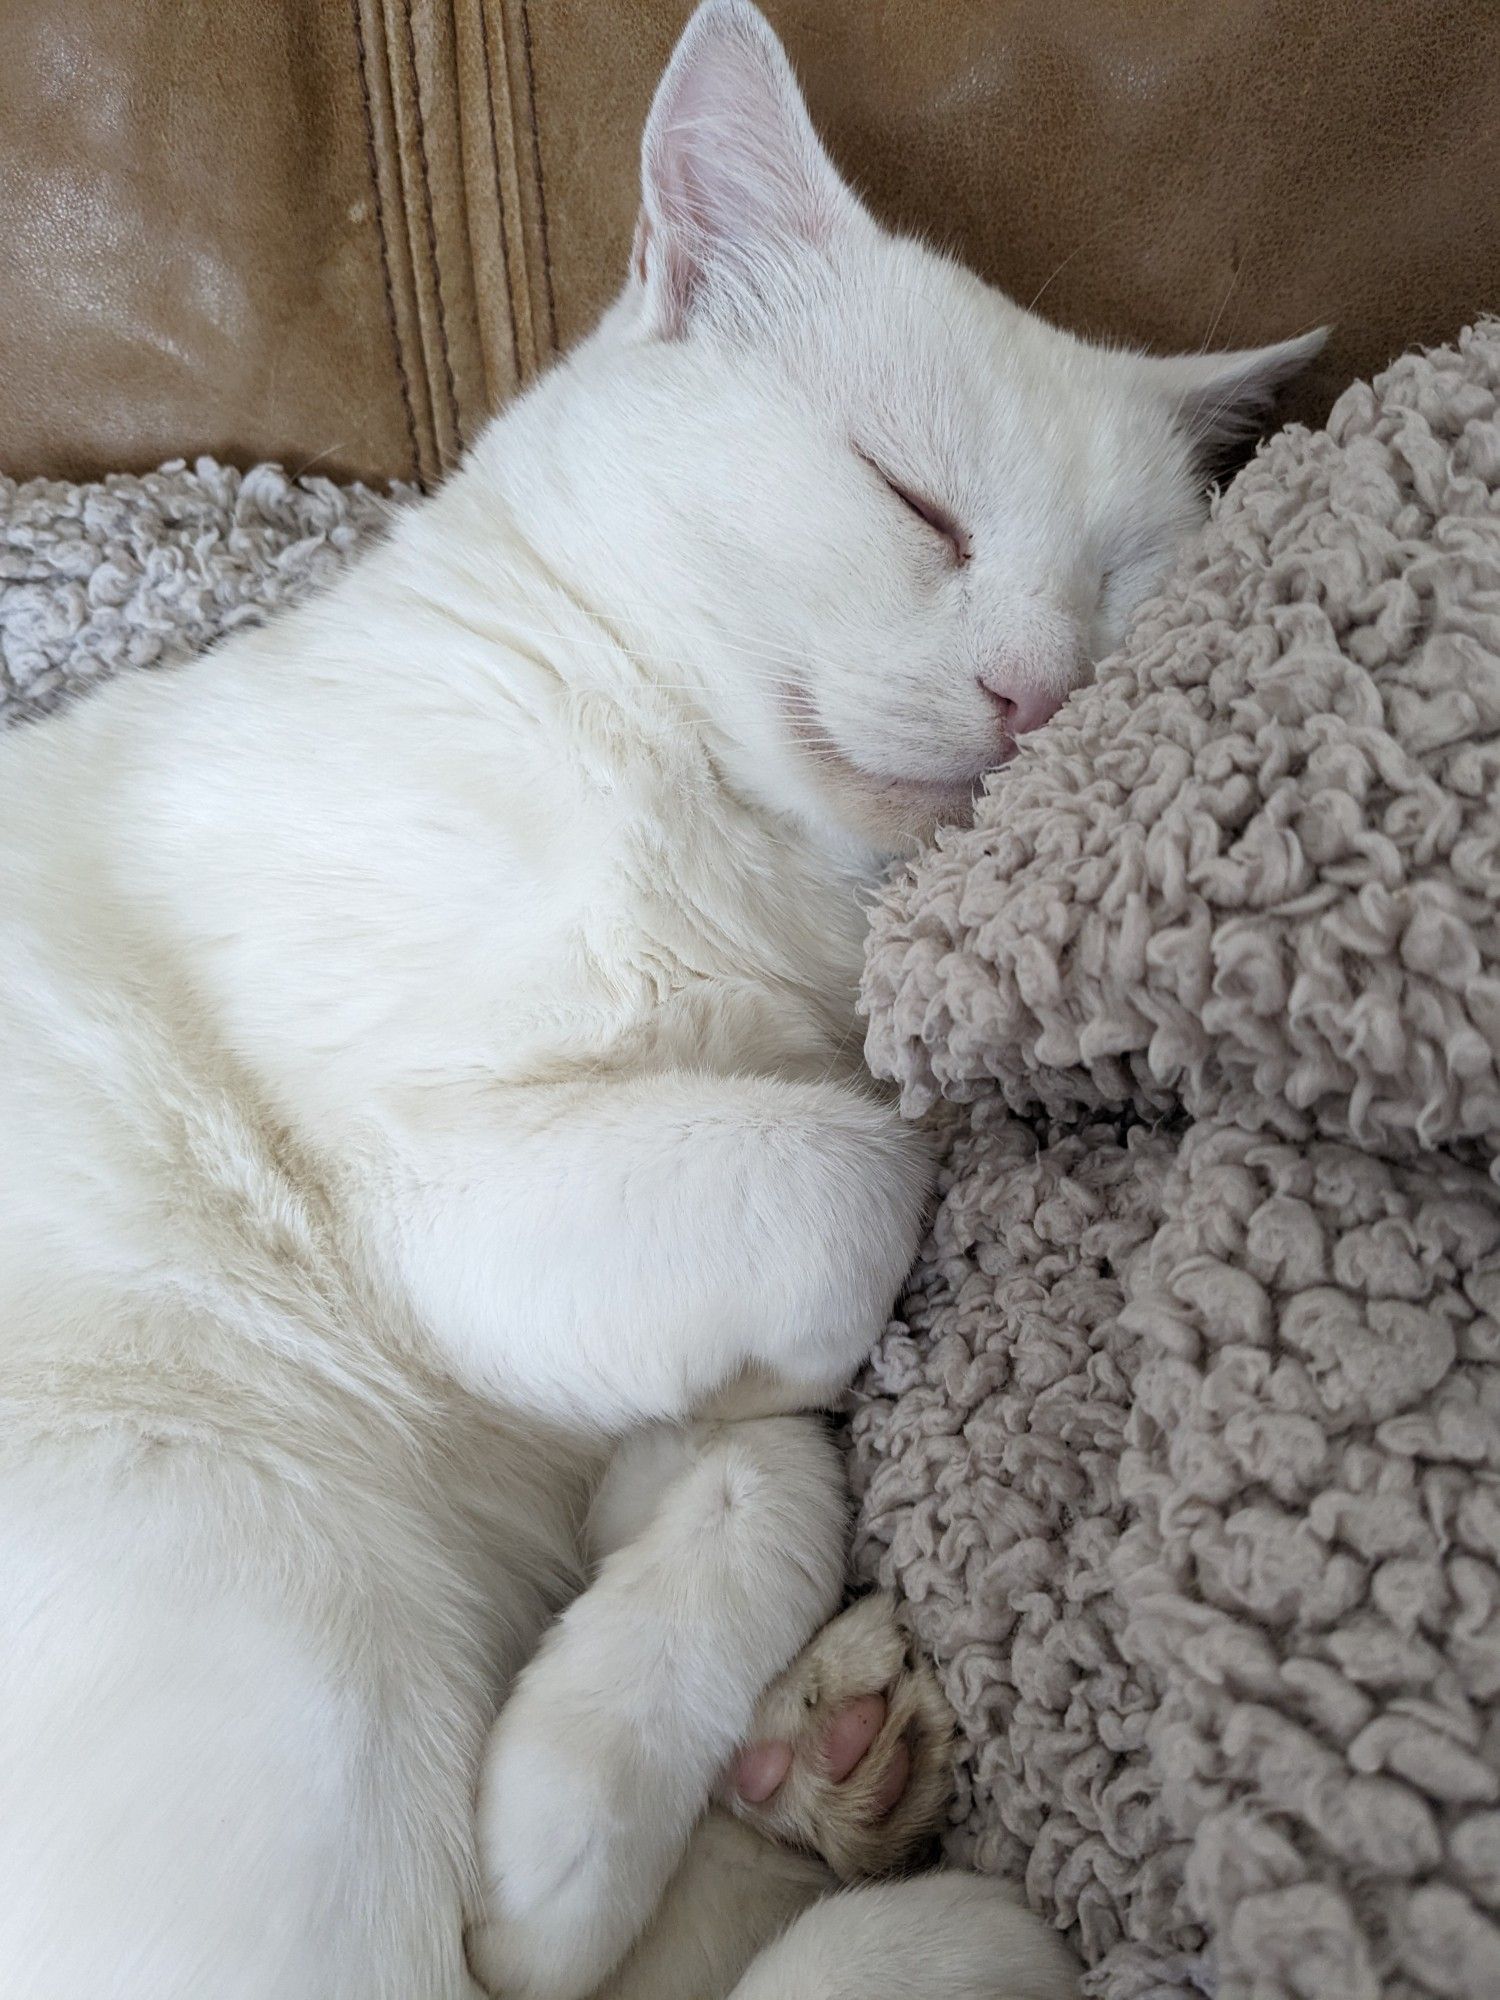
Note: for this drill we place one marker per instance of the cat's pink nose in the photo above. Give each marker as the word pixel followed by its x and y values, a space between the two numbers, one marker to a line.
pixel 1026 708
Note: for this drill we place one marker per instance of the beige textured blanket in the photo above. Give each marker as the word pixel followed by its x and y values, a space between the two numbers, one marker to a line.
pixel 1186 1449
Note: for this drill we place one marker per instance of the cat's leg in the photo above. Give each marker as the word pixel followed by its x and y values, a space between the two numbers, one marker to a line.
pixel 229 1769
pixel 723 1550
pixel 732 1915
pixel 940 1937
pixel 857 1739
pixel 625 1250
pixel 735 1892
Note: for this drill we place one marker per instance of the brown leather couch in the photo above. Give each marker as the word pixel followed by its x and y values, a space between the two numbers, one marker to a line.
pixel 338 232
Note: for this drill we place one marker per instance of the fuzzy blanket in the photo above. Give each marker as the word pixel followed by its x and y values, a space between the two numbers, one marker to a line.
pixel 142 572
pixel 1186 1449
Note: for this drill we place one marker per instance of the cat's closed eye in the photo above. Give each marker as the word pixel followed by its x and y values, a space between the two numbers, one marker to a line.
pixel 928 511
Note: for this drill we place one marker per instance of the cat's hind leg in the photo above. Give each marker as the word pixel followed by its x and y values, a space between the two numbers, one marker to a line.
pixel 724 1549
pixel 744 1909
pixel 735 1892
pixel 937 1937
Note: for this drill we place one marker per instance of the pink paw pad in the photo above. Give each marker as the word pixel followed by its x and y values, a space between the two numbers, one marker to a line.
pixel 761 1770
pixel 847 1739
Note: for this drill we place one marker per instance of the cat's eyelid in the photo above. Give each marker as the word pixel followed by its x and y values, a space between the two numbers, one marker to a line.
pixel 936 517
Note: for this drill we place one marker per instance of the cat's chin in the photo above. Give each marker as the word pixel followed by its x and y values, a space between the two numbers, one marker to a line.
pixel 895 815
pixel 920 807
pixel 892 810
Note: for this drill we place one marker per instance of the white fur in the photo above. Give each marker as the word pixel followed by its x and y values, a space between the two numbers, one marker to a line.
pixel 429 1055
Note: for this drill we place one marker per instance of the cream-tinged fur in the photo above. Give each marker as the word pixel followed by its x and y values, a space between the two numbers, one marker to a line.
pixel 427 1058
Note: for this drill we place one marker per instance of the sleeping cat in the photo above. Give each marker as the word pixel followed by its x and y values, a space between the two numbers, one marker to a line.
pixel 438 1175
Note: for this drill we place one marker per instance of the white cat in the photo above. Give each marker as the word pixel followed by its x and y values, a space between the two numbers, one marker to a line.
pixel 429 1077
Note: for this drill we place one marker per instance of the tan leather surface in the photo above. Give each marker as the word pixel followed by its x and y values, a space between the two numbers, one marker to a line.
pixel 186 260
pixel 341 231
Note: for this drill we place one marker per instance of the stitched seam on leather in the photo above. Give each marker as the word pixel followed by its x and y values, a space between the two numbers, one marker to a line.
pixel 431 220
pixel 524 292
pixel 380 236
pixel 489 91
pixel 536 161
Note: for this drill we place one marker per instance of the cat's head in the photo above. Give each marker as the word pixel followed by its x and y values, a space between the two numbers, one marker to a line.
pixel 876 516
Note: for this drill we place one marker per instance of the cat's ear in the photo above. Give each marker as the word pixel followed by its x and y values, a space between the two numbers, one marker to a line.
pixel 731 168
pixel 1222 397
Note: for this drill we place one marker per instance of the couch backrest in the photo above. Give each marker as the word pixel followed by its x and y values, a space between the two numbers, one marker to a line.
pixel 339 232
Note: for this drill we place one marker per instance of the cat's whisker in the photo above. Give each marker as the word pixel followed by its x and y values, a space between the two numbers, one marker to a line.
pixel 1084 243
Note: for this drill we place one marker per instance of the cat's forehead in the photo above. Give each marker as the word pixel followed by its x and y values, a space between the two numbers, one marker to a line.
pixel 904 337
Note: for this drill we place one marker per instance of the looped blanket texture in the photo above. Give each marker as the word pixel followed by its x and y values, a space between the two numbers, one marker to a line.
pixel 1185 1447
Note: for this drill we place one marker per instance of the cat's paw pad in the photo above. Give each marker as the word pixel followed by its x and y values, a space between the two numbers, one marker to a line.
pixel 851 1753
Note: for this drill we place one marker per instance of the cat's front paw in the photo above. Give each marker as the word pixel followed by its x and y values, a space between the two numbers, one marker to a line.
pixel 851 1755
pixel 572 1852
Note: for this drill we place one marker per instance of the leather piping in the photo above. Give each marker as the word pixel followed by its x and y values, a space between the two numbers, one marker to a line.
pixel 494 138
pixel 549 331
pixel 378 204
pixel 440 317
pixel 456 177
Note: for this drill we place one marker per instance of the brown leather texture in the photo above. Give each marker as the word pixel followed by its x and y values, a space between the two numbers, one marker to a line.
pixel 340 232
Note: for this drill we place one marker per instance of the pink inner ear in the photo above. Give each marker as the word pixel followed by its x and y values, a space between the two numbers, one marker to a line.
pixel 734 157
pixel 730 161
